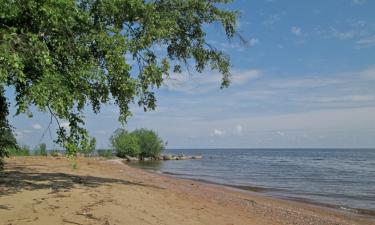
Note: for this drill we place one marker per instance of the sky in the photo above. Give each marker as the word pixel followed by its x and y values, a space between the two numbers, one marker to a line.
pixel 305 79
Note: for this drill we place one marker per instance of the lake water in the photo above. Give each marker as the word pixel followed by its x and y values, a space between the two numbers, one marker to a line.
pixel 341 177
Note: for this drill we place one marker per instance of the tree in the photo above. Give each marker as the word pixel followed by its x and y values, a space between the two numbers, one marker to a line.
pixel 43 149
pixel 151 145
pixel 61 56
pixel 125 143
pixel 23 150
pixel 7 139
pixel 92 145
pixel 88 147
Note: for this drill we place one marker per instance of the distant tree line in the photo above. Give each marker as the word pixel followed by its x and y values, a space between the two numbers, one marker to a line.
pixel 140 143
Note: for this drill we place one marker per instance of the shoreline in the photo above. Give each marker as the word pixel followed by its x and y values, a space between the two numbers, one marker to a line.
pixel 47 190
pixel 265 191
pixel 270 192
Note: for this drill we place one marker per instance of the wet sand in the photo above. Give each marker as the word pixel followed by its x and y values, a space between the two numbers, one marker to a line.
pixel 47 190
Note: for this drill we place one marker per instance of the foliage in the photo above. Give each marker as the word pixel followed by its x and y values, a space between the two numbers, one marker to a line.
pixel 7 139
pixel 125 143
pixel 24 150
pixel 107 153
pixel 150 143
pixel 92 145
pixel 61 56
pixel 88 147
pixel 42 150
pixel 141 142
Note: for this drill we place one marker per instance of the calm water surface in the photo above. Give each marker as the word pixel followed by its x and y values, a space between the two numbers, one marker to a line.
pixel 341 177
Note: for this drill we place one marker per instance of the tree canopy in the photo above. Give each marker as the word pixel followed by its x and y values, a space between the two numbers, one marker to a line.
pixel 125 143
pixel 7 139
pixel 62 56
pixel 150 143
pixel 140 143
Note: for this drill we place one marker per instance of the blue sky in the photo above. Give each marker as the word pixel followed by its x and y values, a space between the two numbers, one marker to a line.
pixel 306 79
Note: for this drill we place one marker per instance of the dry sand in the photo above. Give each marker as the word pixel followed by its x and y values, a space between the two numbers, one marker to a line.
pixel 37 190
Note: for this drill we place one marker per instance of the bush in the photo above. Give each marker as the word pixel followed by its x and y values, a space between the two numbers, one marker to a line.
pixel 22 151
pixel 107 153
pixel 88 147
pixel 151 145
pixel 125 144
pixel 141 142
pixel 41 150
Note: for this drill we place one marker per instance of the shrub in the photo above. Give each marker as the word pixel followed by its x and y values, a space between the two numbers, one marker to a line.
pixel 107 153
pixel 151 145
pixel 88 147
pixel 141 142
pixel 24 150
pixel 41 150
pixel 125 143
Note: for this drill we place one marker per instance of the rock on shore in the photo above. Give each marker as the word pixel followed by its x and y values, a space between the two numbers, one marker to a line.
pixel 163 157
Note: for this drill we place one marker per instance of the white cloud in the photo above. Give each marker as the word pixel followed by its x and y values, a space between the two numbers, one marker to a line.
pixel 239 129
pixel 343 35
pixel 207 81
pixel 360 33
pixel 272 19
pixel 359 2
pixel 239 46
pixel 333 99
pixel 305 82
pixel 296 30
pixel 242 77
pixel 36 126
pixel 260 129
pixel 336 119
pixel 218 133
pixel 366 42
pixel 253 41
pixel 369 73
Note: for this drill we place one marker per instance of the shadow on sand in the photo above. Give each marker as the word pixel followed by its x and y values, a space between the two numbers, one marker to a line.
pixel 18 179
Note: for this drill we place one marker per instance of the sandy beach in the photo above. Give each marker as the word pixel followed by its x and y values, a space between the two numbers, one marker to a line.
pixel 47 190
